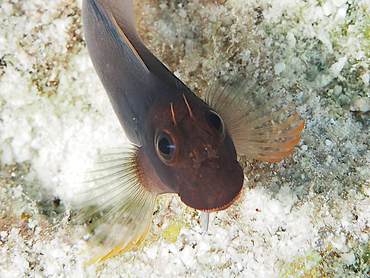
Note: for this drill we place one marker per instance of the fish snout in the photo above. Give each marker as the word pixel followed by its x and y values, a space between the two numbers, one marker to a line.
pixel 213 186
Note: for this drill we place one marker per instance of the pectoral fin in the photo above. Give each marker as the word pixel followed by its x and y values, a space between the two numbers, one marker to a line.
pixel 262 129
pixel 124 202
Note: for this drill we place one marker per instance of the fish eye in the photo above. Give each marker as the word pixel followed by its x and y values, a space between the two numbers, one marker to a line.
pixel 165 146
pixel 216 123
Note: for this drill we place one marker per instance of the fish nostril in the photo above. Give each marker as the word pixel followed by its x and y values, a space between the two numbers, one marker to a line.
pixel 196 159
pixel 204 156
pixel 211 152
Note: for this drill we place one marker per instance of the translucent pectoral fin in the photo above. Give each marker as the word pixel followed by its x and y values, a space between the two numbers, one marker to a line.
pixel 272 144
pixel 263 129
pixel 121 210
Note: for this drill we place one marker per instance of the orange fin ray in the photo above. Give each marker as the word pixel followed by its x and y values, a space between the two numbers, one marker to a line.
pixel 270 134
pixel 122 209
pixel 284 130
pixel 251 121
pixel 264 130
pixel 268 155
pixel 288 144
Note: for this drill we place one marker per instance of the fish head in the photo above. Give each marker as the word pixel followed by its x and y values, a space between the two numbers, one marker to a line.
pixel 194 155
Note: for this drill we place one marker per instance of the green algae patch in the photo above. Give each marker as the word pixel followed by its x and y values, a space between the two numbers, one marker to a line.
pixel 302 266
pixel 172 232
pixel 361 265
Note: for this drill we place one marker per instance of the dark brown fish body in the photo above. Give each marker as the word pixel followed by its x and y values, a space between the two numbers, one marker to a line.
pixel 204 170
pixel 183 145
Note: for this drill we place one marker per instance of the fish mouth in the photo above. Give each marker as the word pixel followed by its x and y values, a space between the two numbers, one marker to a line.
pixel 212 188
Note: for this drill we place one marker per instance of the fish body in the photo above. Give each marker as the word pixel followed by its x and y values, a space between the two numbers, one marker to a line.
pixel 182 144
pixel 150 101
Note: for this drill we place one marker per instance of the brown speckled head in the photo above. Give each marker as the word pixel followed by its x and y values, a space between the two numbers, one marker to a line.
pixel 193 153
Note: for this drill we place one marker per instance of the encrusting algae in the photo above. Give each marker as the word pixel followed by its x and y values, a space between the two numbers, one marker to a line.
pixel 180 143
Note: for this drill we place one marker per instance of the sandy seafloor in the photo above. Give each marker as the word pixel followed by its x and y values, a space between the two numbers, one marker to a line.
pixel 307 216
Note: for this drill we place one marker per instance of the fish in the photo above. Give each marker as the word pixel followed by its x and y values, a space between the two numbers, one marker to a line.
pixel 180 143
